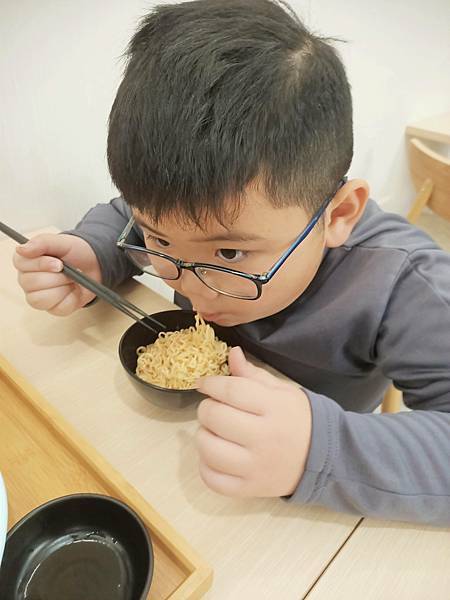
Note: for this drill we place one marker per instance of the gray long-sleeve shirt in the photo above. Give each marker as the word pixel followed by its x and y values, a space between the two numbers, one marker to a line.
pixel 377 311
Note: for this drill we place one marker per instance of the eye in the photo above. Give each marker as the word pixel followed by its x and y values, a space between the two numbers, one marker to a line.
pixel 157 241
pixel 231 255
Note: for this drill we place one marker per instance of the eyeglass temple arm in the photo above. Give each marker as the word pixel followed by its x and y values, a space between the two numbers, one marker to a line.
pixel 271 272
pixel 129 226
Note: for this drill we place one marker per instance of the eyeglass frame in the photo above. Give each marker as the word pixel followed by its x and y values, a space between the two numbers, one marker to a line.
pixel 258 279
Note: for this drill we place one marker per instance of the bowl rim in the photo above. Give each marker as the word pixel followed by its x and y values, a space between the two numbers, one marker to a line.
pixel 132 374
pixel 87 495
pixel 3 516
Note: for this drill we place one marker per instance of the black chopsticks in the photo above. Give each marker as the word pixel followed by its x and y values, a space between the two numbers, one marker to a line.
pixel 98 289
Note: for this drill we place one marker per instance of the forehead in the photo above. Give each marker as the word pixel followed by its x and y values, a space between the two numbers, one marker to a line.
pixel 255 219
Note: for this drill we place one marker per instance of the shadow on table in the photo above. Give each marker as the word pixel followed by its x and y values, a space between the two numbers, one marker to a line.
pixel 140 400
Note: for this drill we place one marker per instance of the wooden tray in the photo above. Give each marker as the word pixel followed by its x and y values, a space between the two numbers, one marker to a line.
pixel 42 457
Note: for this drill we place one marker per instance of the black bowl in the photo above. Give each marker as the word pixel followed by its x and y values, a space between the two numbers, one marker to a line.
pixel 136 336
pixel 82 546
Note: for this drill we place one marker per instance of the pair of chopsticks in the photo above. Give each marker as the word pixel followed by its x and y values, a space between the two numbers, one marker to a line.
pixel 98 289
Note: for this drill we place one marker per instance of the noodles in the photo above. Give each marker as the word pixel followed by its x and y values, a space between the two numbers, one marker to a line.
pixel 178 358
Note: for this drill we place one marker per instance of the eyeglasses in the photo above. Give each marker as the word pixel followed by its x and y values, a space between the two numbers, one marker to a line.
pixel 229 282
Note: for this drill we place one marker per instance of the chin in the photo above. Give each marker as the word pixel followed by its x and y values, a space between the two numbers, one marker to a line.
pixel 232 321
pixel 226 321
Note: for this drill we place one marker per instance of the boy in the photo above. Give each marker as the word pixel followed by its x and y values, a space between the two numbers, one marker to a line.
pixel 229 140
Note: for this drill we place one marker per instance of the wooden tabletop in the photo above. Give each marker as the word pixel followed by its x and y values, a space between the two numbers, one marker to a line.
pixel 258 548
pixel 389 561
pixel 436 128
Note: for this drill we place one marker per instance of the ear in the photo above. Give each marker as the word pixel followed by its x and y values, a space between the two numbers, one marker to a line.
pixel 345 211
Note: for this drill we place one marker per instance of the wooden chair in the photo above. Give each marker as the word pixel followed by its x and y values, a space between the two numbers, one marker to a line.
pixel 430 173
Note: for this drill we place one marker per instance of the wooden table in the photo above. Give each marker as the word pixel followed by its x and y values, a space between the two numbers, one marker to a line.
pixel 436 128
pixel 258 548
pixel 389 561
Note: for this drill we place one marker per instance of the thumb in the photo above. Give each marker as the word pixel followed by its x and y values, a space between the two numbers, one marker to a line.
pixel 45 244
pixel 241 367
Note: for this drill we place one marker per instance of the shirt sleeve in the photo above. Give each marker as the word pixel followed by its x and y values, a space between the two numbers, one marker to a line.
pixel 101 228
pixel 394 466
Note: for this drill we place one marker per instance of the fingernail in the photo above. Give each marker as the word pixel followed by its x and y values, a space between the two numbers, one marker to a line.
pixel 55 266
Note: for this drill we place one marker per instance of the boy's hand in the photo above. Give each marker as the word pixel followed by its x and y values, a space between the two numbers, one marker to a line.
pixel 255 431
pixel 45 287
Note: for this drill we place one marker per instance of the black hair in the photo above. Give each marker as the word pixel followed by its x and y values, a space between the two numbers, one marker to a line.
pixel 218 95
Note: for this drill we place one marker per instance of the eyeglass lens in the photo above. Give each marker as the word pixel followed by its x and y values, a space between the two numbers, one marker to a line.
pixel 217 280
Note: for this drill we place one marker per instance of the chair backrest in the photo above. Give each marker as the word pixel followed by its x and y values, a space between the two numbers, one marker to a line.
pixel 425 164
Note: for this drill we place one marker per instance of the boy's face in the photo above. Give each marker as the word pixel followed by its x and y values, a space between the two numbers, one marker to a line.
pixel 252 242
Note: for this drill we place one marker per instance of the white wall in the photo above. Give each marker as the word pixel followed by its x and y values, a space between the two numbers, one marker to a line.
pixel 398 60
pixel 60 66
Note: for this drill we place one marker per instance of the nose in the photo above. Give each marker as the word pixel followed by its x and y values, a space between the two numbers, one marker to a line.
pixel 191 287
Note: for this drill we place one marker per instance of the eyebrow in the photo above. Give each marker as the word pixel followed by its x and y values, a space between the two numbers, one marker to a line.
pixel 232 236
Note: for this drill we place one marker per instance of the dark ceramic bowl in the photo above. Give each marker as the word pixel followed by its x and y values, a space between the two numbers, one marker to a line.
pixel 79 546
pixel 136 336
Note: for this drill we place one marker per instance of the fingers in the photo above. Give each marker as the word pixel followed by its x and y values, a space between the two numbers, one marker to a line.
pixel 53 292
pixel 240 392
pixel 241 367
pixel 221 455
pixel 32 281
pixel 69 304
pixel 228 485
pixel 45 287
pixel 228 422
pixel 33 265
pixel 51 298
pixel 50 244
pixel 41 253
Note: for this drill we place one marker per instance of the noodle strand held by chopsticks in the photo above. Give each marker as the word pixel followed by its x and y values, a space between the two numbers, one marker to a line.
pixel 178 358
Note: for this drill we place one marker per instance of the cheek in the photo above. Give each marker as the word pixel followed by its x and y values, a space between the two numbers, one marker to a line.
pixel 283 289
pixel 289 283
pixel 293 277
